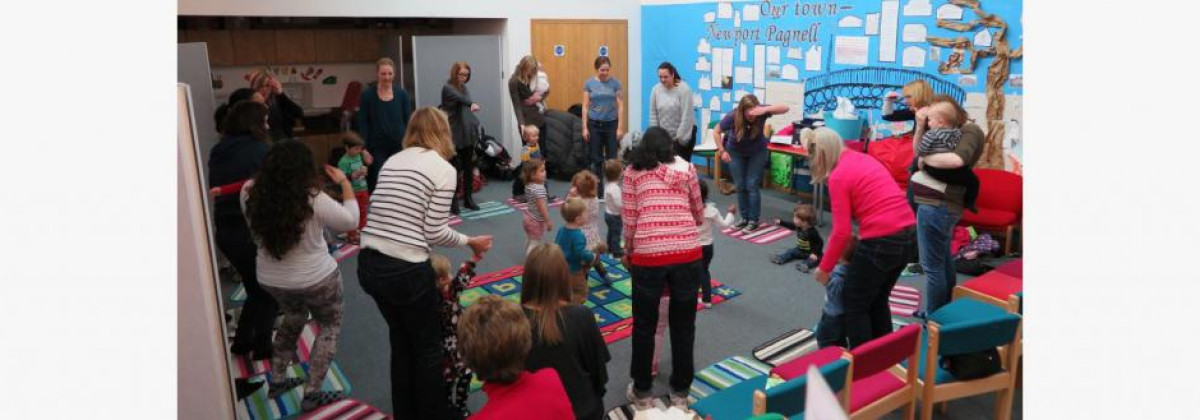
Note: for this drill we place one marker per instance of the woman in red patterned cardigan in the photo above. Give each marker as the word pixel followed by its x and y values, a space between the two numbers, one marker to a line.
pixel 660 211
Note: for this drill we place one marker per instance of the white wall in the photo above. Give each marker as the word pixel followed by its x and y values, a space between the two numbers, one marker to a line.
pixel 517 36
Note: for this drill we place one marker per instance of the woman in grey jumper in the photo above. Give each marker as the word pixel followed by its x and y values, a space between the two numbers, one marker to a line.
pixel 464 129
pixel 671 108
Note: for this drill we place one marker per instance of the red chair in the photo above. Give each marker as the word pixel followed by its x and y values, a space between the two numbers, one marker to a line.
pixel 999 203
pixel 1001 287
pixel 879 385
pixel 350 104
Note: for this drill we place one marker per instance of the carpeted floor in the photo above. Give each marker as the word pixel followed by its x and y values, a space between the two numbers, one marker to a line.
pixel 775 299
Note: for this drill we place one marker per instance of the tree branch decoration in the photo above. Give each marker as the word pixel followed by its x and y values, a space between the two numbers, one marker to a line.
pixel 997 75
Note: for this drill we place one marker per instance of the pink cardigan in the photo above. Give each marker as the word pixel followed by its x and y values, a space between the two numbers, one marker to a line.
pixel 660 209
pixel 860 188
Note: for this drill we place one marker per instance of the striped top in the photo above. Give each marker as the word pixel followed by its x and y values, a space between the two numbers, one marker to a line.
pixel 661 209
pixel 410 208
pixel 533 193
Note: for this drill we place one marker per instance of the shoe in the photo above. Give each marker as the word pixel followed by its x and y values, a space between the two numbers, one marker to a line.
pixel 469 203
pixel 778 260
pixel 520 198
pixel 240 349
pixel 244 388
pixel 680 400
pixel 263 353
pixel 278 388
pixel 639 403
pixel 707 305
pixel 914 268
pixel 741 225
pixel 750 227
pixel 318 399
pixel 802 266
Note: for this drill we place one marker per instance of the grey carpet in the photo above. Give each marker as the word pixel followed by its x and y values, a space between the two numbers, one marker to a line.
pixel 774 300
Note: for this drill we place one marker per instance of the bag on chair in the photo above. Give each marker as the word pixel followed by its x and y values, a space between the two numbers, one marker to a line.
pixel 970 366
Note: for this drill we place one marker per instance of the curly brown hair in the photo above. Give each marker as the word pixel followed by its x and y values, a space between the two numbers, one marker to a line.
pixel 280 201
pixel 494 338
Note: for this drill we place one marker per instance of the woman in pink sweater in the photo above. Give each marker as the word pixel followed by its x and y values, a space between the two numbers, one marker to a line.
pixel 862 191
pixel 660 210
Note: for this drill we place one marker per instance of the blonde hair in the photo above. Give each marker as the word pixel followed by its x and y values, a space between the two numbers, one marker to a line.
pixel 919 93
pixel 947 111
pixel 585 183
pixel 494 339
pixel 572 209
pixel 527 69
pixel 529 129
pixel 259 78
pixel 824 154
pixel 807 137
pixel 545 288
pixel 429 128
pixel 441 265
pixel 385 62
pixel 528 168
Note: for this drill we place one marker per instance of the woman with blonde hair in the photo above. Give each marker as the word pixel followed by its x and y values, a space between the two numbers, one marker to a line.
pixel 565 335
pixel 862 191
pixel 525 101
pixel 464 127
pixel 283 112
pixel 742 142
pixel 410 213
pixel 383 113
pixel 917 94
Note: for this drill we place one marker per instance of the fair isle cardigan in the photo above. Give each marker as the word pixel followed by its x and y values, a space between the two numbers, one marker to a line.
pixel 660 210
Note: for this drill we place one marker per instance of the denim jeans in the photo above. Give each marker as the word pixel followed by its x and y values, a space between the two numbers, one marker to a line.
pixel 935 228
pixel 614 233
pixel 831 329
pixel 407 296
pixel 747 172
pixel 602 144
pixel 873 271
pixel 794 253
pixel 648 284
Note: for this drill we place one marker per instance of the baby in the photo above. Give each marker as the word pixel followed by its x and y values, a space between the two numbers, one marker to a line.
pixel 942 137
pixel 540 87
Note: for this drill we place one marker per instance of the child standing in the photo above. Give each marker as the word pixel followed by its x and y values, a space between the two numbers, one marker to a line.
pixel 458 377
pixel 574 246
pixel 809 244
pixel 583 186
pixel 537 213
pixel 529 151
pixel 712 220
pixel 831 329
pixel 612 206
pixel 354 164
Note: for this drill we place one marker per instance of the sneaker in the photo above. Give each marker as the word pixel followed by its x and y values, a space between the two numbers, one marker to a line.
pixel 741 225
pixel 803 267
pixel 707 305
pixel 318 399
pixel 680 400
pixel 750 227
pixel 639 403
pixel 777 259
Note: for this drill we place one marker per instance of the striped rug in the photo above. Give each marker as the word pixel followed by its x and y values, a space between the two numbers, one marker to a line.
pixel 486 209
pixel 258 407
pixel 242 368
pixel 347 409
pixel 904 300
pixel 521 206
pixel 783 349
pixel 724 374
pixel 763 236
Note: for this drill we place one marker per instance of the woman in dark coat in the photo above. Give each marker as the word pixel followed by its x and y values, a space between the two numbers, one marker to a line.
pixel 464 129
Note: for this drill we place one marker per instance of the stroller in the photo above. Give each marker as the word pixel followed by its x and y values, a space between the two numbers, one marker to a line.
pixel 491 157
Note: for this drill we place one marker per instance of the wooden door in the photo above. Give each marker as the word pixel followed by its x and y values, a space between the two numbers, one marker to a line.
pixel 581 40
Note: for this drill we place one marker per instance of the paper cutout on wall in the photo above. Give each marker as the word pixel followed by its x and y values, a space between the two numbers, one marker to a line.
pixel 983 38
pixel 851 50
pixel 742 56
pixel 935 54
pixel 918 8
pixel 704 84
pixel 725 96
pixel 968 80
pixel 795 53
pixel 773 72
pixel 737 19
pixel 743 75
pixel 772 55
pixel 710 17
pixel 714 104
pixel 888 25
pixel 702 64
pixel 850 22
pixel 724 10
pixel 718 61
pixel 914 33
pixel 697 101
pixel 750 12
pixel 727 62
pixel 872 24
pixel 760 62
pixel 949 11
pixel 812 58
pixel 789 72
pixel 914 57
pixel 704 47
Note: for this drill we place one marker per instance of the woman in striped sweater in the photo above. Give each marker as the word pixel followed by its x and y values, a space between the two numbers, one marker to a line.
pixel 410 212
pixel 661 207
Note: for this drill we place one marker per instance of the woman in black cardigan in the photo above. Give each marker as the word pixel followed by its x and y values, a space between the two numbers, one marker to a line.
pixel 464 128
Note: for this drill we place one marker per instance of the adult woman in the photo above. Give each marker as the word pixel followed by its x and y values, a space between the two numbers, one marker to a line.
pixel 862 191
pixel 284 112
pixel 410 212
pixel 525 105
pixel 239 155
pixel 602 123
pixel 938 209
pixel 288 213
pixel 464 128
pixel 662 249
pixel 671 108
pixel 742 141
pixel 383 113
pixel 565 336
pixel 917 95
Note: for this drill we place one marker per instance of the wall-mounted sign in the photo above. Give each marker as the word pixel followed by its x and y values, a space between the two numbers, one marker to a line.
pixel 604 51
pixel 560 50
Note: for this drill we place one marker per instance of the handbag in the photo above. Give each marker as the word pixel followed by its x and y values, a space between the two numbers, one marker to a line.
pixel 970 366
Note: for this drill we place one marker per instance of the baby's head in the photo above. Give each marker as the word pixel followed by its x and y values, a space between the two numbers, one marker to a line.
pixel 943 115
pixel 612 170
pixel 530 134
pixel 533 171
pixel 804 216
pixel 585 183
pixel 848 253
pixel 574 212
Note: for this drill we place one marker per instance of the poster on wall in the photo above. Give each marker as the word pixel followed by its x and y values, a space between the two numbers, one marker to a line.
pixel 888 24
pixel 851 50
pixel 560 50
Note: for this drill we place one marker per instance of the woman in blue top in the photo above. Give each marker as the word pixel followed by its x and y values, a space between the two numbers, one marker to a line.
pixel 602 123
pixel 383 112
pixel 742 142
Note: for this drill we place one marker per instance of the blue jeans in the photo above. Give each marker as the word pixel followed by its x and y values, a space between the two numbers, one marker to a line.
pixel 793 253
pixel 747 172
pixel 831 329
pixel 935 228
pixel 614 233
pixel 602 144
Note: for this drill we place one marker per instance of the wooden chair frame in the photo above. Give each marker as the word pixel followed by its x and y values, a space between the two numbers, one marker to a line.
pixel 906 396
pixel 760 397
pixel 1003 382
pixel 1013 304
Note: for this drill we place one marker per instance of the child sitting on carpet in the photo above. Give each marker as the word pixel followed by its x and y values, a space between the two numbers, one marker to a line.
pixel 809 244
pixel 537 214
pixel 458 377
pixel 831 329
pixel 574 247
pixel 565 335
pixel 495 340
pixel 583 187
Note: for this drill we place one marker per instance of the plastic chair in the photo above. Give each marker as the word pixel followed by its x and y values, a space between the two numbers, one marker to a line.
pixel 879 385
pixel 1001 287
pixel 999 204
pixel 748 398
pixel 961 327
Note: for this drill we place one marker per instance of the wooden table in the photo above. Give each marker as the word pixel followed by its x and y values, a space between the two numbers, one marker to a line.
pixel 787 149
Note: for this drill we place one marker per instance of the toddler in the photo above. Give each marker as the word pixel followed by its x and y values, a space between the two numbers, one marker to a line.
pixel 537 214
pixel 529 151
pixel 612 206
pixel 712 220
pixel 574 247
pixel 942 137
pixel 458 377
pixel 583 187
pixel 354 164
pixel 809 244
pixel 831 329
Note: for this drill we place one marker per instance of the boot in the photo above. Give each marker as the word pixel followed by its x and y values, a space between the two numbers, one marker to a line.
pixel 468 200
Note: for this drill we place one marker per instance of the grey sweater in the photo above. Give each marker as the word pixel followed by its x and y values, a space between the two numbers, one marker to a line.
pixel 671 109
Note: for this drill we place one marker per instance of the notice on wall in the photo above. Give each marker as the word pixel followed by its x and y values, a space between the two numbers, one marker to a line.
pixel 787 93
pixel 742 53
pixel 760 93
pixel 914 57
pixel 710 17
pixel 888 25
pixel 772 54
pixel 851 50
pixel 795 53
pixel 750 12
pixel 743 75
pixel 789 72
pixel 714 104
pixel 914 33
pixel 850 22
pixel 812 58
pixel 697 101
pixel 718 54
pixel 983 38
pixel 872 24
pixel 725 10
pixel 725 96
pixel 760 64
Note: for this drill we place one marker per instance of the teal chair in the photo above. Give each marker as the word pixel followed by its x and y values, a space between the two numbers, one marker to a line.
pixel 749 399
pixel 961 327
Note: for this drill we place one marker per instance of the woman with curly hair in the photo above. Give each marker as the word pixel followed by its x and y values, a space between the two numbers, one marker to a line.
pixel 287 211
